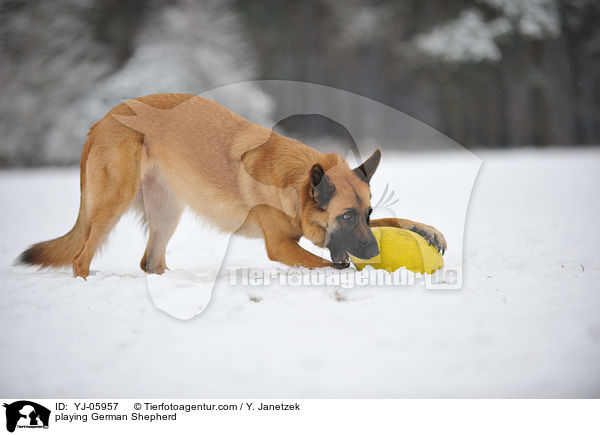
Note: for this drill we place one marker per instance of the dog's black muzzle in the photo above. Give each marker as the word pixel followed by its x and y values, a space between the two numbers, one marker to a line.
pixel 341 244
pixel 368 249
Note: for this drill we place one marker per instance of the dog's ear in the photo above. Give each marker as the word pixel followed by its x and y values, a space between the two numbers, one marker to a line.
pixel 321 187
pixel 367 169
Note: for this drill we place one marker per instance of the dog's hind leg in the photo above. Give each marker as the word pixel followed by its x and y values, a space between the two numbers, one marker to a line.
pixel 110 186
pixel 162 212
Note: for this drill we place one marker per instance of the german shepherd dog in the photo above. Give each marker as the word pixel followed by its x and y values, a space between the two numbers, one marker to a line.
pixel 161 153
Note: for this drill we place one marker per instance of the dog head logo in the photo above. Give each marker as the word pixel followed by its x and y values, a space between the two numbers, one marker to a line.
pixel 26 414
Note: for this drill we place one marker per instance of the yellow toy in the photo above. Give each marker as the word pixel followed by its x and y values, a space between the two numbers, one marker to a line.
pixel 402 248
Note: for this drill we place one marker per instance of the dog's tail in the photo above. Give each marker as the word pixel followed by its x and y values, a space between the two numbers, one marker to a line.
pixel 59 252
pixel 56 252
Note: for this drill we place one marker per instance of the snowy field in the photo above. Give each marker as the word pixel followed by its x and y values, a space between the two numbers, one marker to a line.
pixel 526 322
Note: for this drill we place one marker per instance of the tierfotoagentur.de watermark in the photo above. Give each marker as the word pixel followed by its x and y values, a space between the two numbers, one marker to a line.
pixel 244 276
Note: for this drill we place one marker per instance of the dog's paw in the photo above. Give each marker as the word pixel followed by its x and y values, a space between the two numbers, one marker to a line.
pixel 433 236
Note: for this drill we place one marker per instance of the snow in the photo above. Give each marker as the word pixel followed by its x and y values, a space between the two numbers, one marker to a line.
pixel 532 18
pixel 361 24
pixel 469 38
pixel 524 324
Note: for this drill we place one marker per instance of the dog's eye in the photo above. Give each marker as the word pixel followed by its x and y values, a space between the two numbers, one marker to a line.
pixel 348 217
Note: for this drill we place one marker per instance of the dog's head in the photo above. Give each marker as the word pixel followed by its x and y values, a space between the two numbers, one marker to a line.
pixel 339 204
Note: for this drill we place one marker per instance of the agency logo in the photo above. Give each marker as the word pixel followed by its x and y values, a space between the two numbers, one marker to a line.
pixel 24 414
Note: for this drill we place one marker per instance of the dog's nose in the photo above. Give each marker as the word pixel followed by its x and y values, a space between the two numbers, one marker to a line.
pixel 369 249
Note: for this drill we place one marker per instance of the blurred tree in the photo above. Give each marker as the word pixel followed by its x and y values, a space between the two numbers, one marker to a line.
pixel 485 72
pixel 65 63
pixel 49 57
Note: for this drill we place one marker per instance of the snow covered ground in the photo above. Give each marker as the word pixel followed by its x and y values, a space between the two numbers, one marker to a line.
pixel 526 322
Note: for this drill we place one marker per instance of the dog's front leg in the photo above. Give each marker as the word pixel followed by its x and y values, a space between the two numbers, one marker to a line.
pixel 281 239
pixel 287 251
pixel 432 235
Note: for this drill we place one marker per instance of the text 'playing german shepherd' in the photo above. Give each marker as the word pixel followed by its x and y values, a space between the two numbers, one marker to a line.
pixel 161 153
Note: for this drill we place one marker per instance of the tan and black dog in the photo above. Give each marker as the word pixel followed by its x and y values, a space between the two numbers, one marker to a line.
pixel 161 153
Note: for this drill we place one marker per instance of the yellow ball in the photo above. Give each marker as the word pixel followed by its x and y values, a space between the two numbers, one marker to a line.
pixel 402 248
